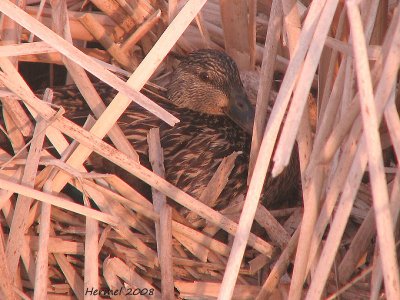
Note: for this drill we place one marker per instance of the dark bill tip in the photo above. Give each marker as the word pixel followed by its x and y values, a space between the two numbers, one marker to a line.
pixel 240 110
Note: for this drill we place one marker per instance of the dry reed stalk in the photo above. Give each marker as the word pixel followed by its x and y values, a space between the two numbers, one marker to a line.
pixel 38 17
pixel 207 265
pixel 41 274
pixel 234 20
pixel 266 78
pixel 6 286
pixel 313 187
pixel 132 256
pixel 284 212
pixel 91 267
pixel 84 84
pixel 14 134
pixel 136 201
pixel 163 226
pixel 199 289
pixel 10 32
pixel 393 122
pixel 63 216
pixel 315 173
pixel 56 244
pixel 201 272
pixel 292 23
pixel 33 214
pixel 195 248
pixel 189 271
pixel 265 153
pixel 216 35
pixel 216 185
pixel 352 110
pixel 274 229
pixel 172 10
pixel 126 218
pixel 329 79
pixel 303 85
pixel 324 218
pixel 137 80
pixel 126 7
pixel 72 276
pixel 56 58
pixel 57 201
pixel 340 219
pixel 370 11
pixel 106 234
pixel 18 115
pixel 280 268
pixel 8 211
pixel 205 35
pixel 111 279
pixel 363 274
pixel 100 34
pixel 24 49
pixel 73 17
pixel 293 222
pixel 163 186
pixel 198 237
pixel 257 263
pixel 127 192
pixel 358 247
pixel 116 267
pixel 156 158
pixel 212 14
pixel 376 276
pixel 116 12
pixel 360 161
pixel 167 276
pixel 140 32
pixel 79 32
pixel 304 134
pixel 12 173
pixel 70 51
pixel 142 10
pixel 232 211
pixel 17 144
pixel 346 195
pixel 337 184
pixel 59 296
pixel 148 213
pixel 365 233
pixel 374 51
pixel 252 32
pixel 18 225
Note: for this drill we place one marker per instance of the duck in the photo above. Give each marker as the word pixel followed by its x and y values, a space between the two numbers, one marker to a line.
pixel 216 119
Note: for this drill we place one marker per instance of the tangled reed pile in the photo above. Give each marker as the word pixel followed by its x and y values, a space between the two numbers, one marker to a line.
pixel 345 230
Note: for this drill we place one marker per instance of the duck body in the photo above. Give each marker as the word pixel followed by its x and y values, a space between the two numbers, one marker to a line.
pixel 192 149
pixel 207 95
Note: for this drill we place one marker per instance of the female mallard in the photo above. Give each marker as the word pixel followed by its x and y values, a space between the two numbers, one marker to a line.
pixel 207 95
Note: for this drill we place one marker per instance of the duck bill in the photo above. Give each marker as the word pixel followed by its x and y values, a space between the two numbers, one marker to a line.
pixel 240 110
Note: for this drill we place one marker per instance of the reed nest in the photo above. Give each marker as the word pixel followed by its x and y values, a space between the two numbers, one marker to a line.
pixel 339 242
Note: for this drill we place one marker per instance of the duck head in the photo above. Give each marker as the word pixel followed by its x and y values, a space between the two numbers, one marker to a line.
pixel 208 81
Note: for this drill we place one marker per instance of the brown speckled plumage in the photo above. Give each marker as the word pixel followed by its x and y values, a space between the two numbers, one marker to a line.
pixel 194 148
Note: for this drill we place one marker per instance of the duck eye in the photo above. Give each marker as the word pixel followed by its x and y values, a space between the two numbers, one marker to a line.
pixel 204 76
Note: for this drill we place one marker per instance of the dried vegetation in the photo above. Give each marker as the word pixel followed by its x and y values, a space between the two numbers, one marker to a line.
pixel 345 232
